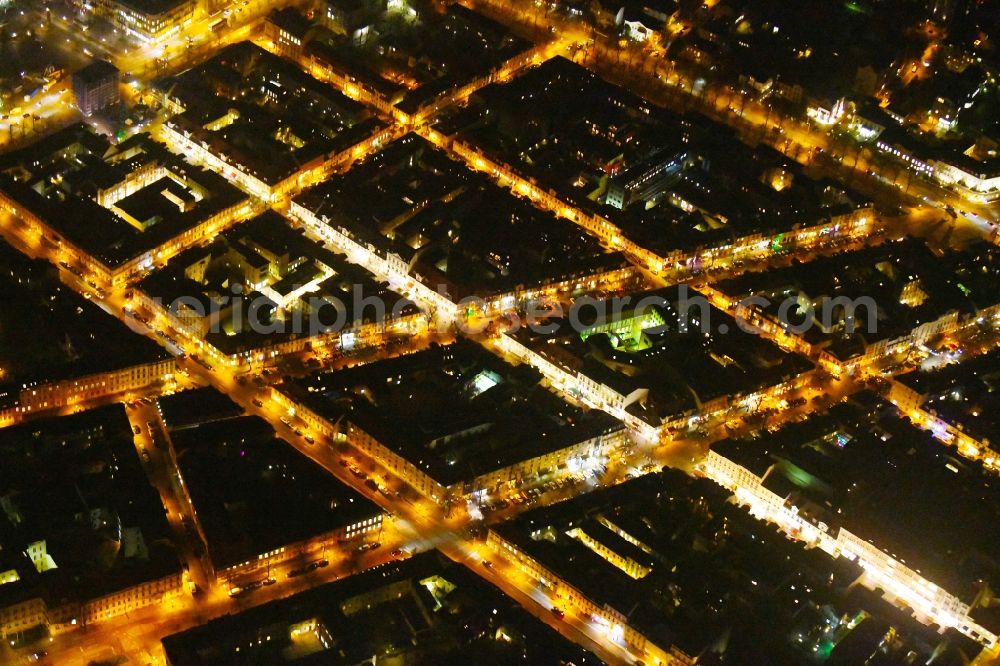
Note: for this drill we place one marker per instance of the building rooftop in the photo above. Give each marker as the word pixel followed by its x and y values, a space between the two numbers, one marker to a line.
pixel 689 182
pixel 152 6
pixel 96 71
pixel 253 492
pixel 966 394
pixel 907 283
pixel 69 336
pixel 457 229
pixel 76 483
pixel 264 113
pixel 869 471
pixel 60 180
pixel 456 411
pixel 628 350
pixel 290 20
pixel 425 610
pixel 265 258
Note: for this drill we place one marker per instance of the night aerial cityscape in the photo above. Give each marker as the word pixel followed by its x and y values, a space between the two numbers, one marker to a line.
pixel 487 332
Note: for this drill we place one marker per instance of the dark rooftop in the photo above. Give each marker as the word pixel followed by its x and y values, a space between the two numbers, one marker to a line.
pixel 96 71
pixel 411 404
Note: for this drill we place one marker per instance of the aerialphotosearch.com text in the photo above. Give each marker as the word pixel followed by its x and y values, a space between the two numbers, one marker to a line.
pixel 687 311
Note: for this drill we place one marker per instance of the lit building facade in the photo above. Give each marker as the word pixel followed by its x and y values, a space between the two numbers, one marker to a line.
pixel 645 180
pixel 978 181
pixel 96 87
pixel 22 615
pixel 146 20
pixel 901 584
